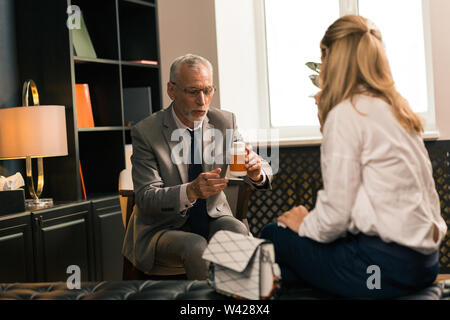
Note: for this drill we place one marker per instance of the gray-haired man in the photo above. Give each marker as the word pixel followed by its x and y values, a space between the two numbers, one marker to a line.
pixel 179 206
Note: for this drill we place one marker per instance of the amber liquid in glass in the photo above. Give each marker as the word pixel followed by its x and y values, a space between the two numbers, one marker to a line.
pixel 238 163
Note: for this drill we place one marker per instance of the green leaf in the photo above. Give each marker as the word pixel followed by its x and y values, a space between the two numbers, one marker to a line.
pixel 314 66
pixel 315 80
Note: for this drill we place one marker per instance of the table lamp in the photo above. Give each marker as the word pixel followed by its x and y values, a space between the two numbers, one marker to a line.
pixel 33 132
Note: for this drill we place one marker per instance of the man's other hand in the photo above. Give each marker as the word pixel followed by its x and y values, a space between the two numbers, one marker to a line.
pixel 252 164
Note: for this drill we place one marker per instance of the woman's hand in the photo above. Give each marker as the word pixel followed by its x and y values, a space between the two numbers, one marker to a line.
pixel 294 217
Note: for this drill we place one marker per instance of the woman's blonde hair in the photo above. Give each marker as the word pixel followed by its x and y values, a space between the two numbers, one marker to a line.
pixel 354 60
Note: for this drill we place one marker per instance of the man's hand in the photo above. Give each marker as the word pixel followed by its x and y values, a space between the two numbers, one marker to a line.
pixel 294 217
pixel 206 185
pixel 252 164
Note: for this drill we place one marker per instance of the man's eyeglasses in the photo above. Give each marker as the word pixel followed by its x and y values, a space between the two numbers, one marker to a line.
pixel 194 92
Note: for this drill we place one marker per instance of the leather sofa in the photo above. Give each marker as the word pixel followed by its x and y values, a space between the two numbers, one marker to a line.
pixel 172 290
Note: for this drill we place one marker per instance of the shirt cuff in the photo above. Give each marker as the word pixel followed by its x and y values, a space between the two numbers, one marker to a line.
pixel 262 180
pixel 301 231
pixel 184 201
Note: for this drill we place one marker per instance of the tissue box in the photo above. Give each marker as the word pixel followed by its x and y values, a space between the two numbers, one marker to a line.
pixel 12 201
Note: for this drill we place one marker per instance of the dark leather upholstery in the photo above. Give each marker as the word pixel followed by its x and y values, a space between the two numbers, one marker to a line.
pixel 169 290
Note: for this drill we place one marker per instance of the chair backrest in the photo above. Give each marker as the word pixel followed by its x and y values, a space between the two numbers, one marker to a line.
pixel 126 195
pixel 237 193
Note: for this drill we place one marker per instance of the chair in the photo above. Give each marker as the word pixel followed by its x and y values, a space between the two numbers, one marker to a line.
pixel 237 193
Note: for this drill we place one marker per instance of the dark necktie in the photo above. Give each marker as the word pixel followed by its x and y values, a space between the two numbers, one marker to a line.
pixel 198 216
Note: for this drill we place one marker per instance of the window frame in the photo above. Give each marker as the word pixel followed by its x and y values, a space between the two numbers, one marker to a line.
pixel 290 136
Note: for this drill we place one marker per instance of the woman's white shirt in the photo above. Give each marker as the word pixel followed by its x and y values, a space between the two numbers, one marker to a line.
pixel 377 180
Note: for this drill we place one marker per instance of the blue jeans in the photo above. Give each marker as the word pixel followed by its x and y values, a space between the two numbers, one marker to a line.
pixel 343 267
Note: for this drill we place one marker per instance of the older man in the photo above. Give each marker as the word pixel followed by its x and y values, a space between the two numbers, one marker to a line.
pixel 180 204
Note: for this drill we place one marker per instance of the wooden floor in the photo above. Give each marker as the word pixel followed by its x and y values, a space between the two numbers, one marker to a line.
pixel 443 277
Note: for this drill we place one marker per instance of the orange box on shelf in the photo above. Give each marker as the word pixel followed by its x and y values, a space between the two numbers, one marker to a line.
pixel 85 118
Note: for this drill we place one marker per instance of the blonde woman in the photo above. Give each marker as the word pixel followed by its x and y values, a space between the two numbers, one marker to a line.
pixel 376 227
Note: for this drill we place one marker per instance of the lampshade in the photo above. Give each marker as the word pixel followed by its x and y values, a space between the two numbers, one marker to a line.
pixel 37 131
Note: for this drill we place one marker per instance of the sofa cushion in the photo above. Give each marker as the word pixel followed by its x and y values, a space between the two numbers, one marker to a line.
pixel 170 290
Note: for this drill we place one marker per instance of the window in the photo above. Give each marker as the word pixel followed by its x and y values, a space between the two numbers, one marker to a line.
pixel 405 43
pixel 293 31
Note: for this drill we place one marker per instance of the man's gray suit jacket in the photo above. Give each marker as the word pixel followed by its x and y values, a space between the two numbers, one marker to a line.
pixel 157 181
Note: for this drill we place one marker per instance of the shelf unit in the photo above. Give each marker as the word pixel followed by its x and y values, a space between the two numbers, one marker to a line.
pixel 122 32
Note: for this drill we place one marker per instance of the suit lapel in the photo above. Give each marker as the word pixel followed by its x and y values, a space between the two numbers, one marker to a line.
pixel 169 126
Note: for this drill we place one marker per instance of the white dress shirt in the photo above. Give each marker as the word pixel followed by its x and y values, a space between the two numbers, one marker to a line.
pixel 377 180
pixel 184 201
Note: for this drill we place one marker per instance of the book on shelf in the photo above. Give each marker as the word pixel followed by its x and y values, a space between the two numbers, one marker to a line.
pixel 149 62
pixel 83 188
pixel 85 118
pixel 137 104
pixel 81 40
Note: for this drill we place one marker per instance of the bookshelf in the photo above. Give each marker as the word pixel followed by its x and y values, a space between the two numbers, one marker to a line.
pixel 124 34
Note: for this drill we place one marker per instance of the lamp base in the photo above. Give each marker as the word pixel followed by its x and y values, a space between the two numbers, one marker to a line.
pixel 33 204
